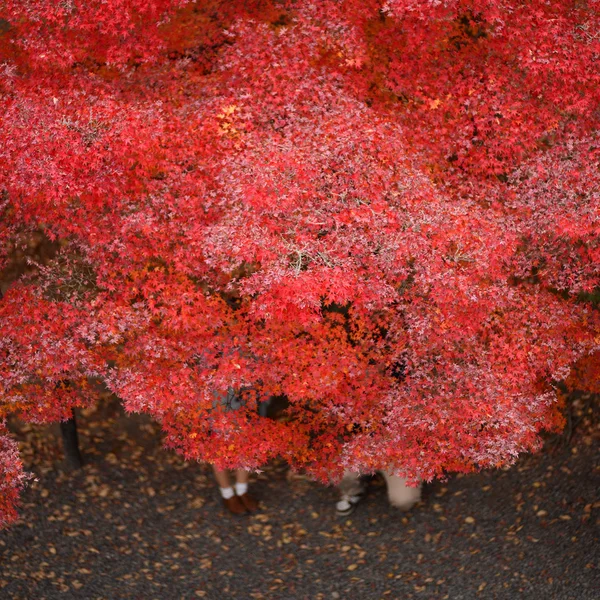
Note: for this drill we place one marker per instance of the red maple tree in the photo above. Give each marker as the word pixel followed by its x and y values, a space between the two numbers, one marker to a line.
pixel 387 212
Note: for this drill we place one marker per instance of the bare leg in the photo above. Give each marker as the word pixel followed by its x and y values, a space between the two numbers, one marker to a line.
pixel 242 476
pixel 241 488
pixel 232 503
pixel 222 477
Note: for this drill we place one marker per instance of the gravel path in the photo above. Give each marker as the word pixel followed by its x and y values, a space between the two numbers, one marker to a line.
pixel 140 523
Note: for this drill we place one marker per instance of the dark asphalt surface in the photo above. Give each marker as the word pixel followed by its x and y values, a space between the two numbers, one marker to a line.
pixel 140 523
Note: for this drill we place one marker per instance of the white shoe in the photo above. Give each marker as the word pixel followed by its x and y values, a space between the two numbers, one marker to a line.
pixel 347 505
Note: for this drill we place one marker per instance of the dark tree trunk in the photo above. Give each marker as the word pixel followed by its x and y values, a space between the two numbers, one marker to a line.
pixel 71 443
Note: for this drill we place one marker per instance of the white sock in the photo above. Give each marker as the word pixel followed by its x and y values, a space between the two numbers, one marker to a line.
pixel 227 492
pixel 241 488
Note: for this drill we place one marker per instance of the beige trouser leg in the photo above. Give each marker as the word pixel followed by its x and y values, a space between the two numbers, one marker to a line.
pixel 399 494
pixel 351 485
pixel 350 488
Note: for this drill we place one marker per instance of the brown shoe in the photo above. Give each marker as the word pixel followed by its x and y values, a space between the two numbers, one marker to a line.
pixel 234 505
pixel 249 502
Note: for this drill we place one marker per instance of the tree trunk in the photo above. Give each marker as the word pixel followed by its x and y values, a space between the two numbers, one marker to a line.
pixel 71 443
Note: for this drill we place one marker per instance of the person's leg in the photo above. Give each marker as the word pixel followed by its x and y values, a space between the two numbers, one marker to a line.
pixel 242 476
pixel 222 477
pixel 231 501
pixel 399 494
pixel 241 489
pixel 351 491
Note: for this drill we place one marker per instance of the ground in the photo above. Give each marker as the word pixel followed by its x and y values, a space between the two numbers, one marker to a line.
pixel 138 522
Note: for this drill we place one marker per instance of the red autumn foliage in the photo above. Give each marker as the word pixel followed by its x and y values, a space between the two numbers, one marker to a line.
pixel 387 212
